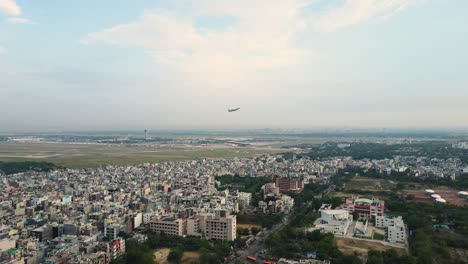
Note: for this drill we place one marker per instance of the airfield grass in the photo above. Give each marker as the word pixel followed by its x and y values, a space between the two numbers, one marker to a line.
pixel 89 156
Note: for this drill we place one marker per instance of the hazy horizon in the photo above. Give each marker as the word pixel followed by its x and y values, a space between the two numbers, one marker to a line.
pixel 260 130
pixel 180 64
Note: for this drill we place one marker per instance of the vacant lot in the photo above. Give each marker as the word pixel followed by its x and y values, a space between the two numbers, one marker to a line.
pixel 190 256
pixel 361 247
pixel 93 155
pixel 449 194
pixel 369 184
pixel 160 256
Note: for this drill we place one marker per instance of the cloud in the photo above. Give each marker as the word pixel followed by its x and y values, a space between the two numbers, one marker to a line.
pixel 263 39
pixel 355 12
pixel 18 20
pixel 257 41
pixel 2 50
pixel 10 7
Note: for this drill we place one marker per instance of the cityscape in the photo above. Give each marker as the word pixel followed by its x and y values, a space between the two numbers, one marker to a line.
pixel 234 131
pixel 93 215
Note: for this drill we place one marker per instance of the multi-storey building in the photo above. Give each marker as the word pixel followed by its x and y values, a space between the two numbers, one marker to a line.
pixel 193 226
pixel 244 199
pixel 220 228
pixel 270 189
pixel 111 231
pixel 365 207
pixel 116 248
pixel 395 228
pixel 168 225
pixel 335 222
pixel 287 184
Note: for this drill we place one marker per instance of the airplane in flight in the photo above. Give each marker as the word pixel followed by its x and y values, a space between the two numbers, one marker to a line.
pixel 233 109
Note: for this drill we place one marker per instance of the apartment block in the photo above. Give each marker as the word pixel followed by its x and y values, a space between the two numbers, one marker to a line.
pixel 287 184
pixel 244 199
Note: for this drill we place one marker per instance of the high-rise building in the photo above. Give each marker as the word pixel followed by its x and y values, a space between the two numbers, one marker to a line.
pixel 287 184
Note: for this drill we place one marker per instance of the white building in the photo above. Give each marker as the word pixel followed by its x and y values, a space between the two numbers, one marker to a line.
pixel 335 222
pixel 137 220
pixel 288 202
pixel 395 228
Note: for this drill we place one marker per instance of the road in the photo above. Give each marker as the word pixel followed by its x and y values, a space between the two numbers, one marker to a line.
pixel 257 246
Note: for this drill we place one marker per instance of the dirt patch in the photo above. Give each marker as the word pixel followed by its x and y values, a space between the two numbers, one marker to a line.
pixel 160 256
pixel 458 253
pixel 190 256
pixel 349 246
pixel 450 195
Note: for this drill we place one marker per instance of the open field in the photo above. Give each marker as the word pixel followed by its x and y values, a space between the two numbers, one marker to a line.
pixel 449 194
pixel 160 256
pixel 93 155
pixel 348 246
pixel 190 256
pixel 369 184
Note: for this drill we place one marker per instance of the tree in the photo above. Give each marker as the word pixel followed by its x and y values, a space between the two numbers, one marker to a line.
pixel 175 256
pixel 375 257
pixel 255 230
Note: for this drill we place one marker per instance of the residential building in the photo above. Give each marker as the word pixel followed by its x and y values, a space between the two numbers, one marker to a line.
pixel 244 199
pixel 117 248
pixel 287 184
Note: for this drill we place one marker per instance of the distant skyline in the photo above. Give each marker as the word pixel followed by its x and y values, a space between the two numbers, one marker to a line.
pixel 180 64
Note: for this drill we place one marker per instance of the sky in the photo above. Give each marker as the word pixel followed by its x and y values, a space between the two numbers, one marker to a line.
pixel 180 64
